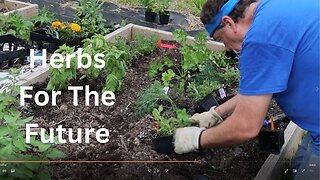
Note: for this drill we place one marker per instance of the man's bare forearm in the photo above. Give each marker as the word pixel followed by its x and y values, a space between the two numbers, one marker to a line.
pixel 227 108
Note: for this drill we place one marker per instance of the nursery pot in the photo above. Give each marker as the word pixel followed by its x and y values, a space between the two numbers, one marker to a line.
pixel 208 102
pixel 46 41
pixel 164 18
pixel 271 141
pixel 163 145
pixel 150 16
pixel 12 48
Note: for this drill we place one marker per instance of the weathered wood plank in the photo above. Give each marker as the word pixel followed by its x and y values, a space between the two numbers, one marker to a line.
pixel 274 163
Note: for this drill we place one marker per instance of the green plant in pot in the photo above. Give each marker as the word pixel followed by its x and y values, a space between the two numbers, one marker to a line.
pixel 150 12
pixel 164 14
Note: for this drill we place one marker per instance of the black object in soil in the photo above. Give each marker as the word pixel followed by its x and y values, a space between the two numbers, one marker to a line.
pixel 12 49
pixel 150 16
pixel 46 41
pixel 271 141
pixel 164 145
pixel 208 102
pixel 164 18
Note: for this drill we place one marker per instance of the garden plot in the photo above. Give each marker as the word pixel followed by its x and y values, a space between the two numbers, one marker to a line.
pixel 26 9
pixel 131 135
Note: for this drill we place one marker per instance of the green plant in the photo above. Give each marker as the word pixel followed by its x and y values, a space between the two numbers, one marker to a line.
pixel 89 16
pixel 12 138
pixel 198 3
pixel 167 77
pixel 60 77
pixel 163 6
pixel 150 5
pixel 15 24
pixel 143 44
pixel 44 18
pixel 65 31
pixel 151 98
pixel 166 126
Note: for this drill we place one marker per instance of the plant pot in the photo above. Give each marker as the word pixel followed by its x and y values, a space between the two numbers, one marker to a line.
pixel 164 18
pixel 150 16
pixel 208 102
pixel 46 41
pixel 271 141
pixel 163 145
pixel 12 48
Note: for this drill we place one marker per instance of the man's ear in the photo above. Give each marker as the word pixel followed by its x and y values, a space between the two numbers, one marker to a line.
pixel 229 23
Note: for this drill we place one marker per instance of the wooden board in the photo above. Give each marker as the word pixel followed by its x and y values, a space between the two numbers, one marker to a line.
pixel 274 163
pixel 131 30
pixel 27 10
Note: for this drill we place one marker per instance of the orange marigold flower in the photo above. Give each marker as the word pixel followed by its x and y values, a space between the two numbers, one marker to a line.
pixel 75 27
pixel 56 24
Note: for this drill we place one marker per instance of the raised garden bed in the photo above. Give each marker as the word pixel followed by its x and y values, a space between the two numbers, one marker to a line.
pixel 130 137
pixel 27 10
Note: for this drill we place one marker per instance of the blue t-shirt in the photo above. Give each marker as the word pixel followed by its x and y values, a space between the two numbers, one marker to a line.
pixel 280 56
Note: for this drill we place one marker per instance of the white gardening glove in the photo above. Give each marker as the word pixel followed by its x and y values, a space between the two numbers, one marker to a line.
pixel 187 139
pixel 206 119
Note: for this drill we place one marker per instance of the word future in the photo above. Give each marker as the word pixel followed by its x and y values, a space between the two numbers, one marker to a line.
pixel 107 97
pixel 102 134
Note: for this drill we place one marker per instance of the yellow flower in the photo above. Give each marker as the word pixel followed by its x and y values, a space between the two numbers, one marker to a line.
pixel 75 27
pixel 56 24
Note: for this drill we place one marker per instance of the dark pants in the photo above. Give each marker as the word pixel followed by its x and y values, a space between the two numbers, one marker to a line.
pixel 306 162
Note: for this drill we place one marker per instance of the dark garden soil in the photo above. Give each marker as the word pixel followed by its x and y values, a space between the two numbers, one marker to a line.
pixel 130 137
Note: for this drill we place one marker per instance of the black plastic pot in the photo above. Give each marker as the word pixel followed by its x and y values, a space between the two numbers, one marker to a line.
pixel 163 145
pixel 46 41
pixel 271 141
pixel 208 102
pixel 164 18
pixel 18 50
pixel 150 16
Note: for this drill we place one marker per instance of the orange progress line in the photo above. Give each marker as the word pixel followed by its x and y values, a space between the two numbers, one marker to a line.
pixel 99 161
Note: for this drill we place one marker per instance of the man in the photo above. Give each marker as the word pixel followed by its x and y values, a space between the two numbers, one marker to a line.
pixel 278 41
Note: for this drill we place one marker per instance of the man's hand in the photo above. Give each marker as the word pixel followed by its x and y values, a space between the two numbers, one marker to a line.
pixel 187 139
pixel 206 119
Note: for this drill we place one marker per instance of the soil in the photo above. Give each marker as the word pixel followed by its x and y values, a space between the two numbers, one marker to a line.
pixel 131 137
pixel 4 10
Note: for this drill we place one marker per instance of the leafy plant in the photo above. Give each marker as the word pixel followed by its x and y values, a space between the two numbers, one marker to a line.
pixel 155 68
pixel 60 77
pixel 12 138
pixel 163 6
pixel 151 98
pixel 15 24
pixel 167 77
pixel 150 5
pixel 143 44
pixel 65 31
pixel 166 126
pixel 89 16
pixel 44 18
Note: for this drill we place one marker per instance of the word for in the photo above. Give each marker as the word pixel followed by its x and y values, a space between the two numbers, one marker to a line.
pixel 102 134
pixel 58 60
pixel 42 98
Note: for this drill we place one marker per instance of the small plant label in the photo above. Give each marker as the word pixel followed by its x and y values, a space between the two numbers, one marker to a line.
pixel 222 93
pixel 166 89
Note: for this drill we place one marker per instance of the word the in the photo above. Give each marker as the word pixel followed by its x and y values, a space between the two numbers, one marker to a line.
pixel 107 97
pixel 58 61
pixel 102 134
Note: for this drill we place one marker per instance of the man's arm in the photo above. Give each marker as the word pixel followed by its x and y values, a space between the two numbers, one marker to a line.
pixel 244 123
pixel 227 108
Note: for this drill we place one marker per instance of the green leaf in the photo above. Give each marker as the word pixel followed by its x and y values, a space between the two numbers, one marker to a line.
pixel 4 131
pixel 55 154
pixel 20 144
pixel 6 151
pixel 42 146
